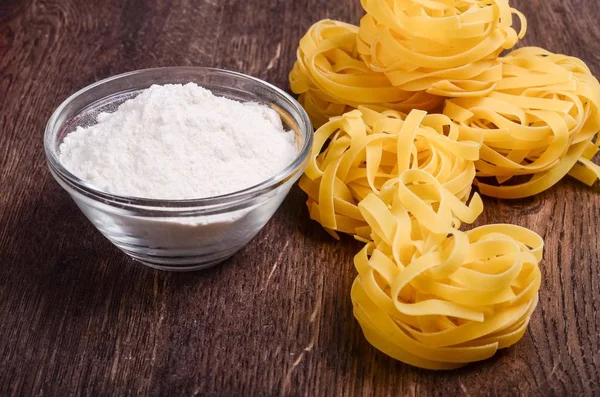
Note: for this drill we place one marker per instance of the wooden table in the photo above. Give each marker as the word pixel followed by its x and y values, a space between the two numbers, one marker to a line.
pixel 77 317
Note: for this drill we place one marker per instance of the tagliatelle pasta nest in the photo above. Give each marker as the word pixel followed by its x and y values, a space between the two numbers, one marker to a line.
pixel 433 296
pixel 367 149
pixel 331 79
pixel 540 121
pixel 447 48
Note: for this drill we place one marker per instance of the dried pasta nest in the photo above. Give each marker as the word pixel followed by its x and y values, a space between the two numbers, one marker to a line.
pixel 359 152
pixel 539 123
pixel 331 79
pixel 447 48
pixel 433 296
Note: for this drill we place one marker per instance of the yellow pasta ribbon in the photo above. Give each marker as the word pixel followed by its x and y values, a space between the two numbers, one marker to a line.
pixel 435 297
pixel 445 47
pixel 362 151
pixel 331 79
pixel 539 124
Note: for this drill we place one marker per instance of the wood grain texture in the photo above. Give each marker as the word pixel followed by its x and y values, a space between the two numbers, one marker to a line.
pixel 77 317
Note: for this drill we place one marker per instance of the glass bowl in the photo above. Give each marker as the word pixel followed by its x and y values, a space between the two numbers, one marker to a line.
pixel 177 234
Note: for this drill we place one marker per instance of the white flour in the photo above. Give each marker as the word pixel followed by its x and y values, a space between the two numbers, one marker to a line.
pixel 179 142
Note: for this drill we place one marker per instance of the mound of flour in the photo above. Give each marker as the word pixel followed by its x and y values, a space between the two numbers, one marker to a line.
pixel 179 142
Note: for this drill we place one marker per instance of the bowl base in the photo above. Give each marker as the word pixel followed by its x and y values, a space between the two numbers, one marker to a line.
pixel 183 267
pixel 184 262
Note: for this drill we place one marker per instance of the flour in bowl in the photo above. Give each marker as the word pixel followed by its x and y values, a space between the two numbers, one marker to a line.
pixel 179 142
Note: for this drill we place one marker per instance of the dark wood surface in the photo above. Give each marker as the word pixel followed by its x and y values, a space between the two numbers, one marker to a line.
pixel 77 317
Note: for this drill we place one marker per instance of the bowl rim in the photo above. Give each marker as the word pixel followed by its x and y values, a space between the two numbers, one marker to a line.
pixel 58 170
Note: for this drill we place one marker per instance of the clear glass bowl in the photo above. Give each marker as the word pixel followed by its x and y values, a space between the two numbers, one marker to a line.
pixel 177 234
